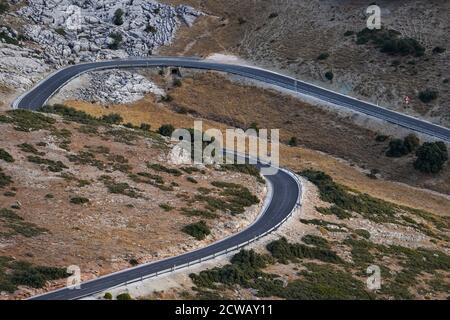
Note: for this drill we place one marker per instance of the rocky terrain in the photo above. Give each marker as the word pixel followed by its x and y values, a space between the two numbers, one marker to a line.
pixel 108 87
pixel 38 36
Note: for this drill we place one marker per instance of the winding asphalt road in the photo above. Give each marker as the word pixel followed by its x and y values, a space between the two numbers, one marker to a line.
pixel 284 199
pixel 40 94
pixel 285 188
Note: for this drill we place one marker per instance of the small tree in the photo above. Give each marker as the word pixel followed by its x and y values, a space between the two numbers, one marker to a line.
pixel 428 95
pixel 107 296
pixel 396 149
pixel 431 157
pixel 4 6
pixel 112 118
pixel 145 127
pixel 411 142
pixel 293 142
pixel 166 130
pixel 329 75
pixel 118 17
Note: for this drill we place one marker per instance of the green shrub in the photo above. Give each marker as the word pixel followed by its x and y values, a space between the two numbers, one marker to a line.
pixel 79 200
pixel 431 157
pixel 363 233
pixel 192 180
pixel 177 83
pixel 198 230
pixel 5 156
pixel 150 29
pixel 191 212
pixel 381 138
pixel 161 168
pixel 166 207
pixel 335 210
pixel 107 296
pixel 166 130
pixel 411 142
pixel 323 56
pixel 118 17
pixel 293 142
pixel 145 127
pixel 397 149
pixel 117 40
pixel 437 50
pixel 70 114
pixel 54 166
pixel 25 120
pixel 5 180
pixel 124 296
pixel 113 118
pixel 4 6
pixel 389 41
pixel 329 75
pixel 28 148
pixel 61 31
pixel 428 95
pixel 284 251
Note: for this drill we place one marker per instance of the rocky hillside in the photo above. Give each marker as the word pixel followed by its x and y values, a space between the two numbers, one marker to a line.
pixel 39 36
pixel 85 191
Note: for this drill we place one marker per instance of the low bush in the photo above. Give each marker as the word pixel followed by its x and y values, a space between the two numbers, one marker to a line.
pixel 5 156
pixel 124 296
pixel 118 17
pixel 293 141
pixel 107 296
pixel 5 180
pixel 27 121
pixel 329 75
pixel 79 200
pixel 284 251
pixel 198 230
pixel 28 148
pixel 166 130
pixel 192 180
pixel 428 95
pixel 323 56
pixel 158 167
pixel 431 157
pixel 4 6
pixel 53 166
pixel 113 118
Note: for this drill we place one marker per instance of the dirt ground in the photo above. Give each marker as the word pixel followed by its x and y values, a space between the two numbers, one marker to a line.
pixel 289 36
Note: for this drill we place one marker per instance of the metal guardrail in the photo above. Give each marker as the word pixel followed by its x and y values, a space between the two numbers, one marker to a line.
pixel 221 253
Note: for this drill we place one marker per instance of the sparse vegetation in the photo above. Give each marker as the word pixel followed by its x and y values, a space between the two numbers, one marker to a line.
pixel 14 273
pixel 53 166
pixel 27 121
pixel 329 75
pixel 5 156
pixel 17 225
pixel 389 41
pixel 191 180
pixel 293 142
pixel 28 148
pixel 166 207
